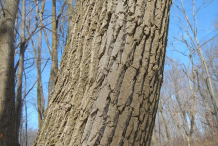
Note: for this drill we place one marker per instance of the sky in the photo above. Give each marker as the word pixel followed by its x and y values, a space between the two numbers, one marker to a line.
pixel 205 24
pixel 205 27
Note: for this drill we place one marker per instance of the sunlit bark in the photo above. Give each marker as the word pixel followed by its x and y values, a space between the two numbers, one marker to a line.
pixel 107 88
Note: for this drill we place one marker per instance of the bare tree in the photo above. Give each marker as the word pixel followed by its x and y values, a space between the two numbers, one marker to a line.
pixel 19 104
pixel 54 65
pixel 191 31
pixel 28 137
pixel 165 124
pixel 40 96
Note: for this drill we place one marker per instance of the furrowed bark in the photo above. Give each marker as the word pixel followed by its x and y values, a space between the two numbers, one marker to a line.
pixel 108 85
pixel 7 95
pixel 70 15
pixel 69 11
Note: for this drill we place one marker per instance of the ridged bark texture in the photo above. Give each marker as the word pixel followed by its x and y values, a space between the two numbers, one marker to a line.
pixel 107 88
pixel 7 96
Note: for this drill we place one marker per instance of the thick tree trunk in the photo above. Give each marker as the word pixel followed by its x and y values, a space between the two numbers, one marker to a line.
pixel 69 11
pixel 7 95
pixel 107 88
pixel 70 15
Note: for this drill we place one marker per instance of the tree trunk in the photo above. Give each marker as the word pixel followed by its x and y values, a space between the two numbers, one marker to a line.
pixel 154 140
pixel 165 124
pixel 184 115
pixel 70 15
pixel 54 65
pixel 177 125
pixel 26 138
pixel 7 95
pixel 107 88
pixel 19 104
pixel 40 97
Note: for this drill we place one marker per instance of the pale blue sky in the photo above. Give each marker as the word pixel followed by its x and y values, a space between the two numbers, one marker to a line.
pixel 205 24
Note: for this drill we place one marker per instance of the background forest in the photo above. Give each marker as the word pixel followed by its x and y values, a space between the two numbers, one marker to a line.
pixel 187 112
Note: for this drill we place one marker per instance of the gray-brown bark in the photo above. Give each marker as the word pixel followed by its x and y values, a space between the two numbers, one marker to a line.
pixel 7 95
pixel 19 104
pixel 25 105
pixel 70 15
pixel 69 11
pixel 54 65
pixel 40 97
pixel 107 88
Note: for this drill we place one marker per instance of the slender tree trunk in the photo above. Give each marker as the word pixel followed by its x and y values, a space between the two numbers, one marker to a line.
pixel 108 85
pixel 178 126
pixel 208 81
pixel 26 139
pixel 40 97
pixel 7 95
pixel 47 42
pixel 19 104
pixel 197 46
pixel 165 124
pixel 54 65
pixel 193 110
pixel 205 103
pixel 185 121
